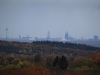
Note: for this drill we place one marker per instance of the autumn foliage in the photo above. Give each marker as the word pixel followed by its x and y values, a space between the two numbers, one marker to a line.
pixel 48 58
pixel 40 70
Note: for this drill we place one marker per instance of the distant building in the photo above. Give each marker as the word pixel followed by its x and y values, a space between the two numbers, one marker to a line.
pixel 19 37
pixel 48 38
pixel 6 33
pixel 25 39
pixel 48 35
pixel 96 37
pixel 68 38
pixel 66 35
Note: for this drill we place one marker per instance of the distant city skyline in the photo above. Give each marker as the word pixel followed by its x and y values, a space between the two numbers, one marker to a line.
pixel 95 41
pixel 66 37
pixel 80 18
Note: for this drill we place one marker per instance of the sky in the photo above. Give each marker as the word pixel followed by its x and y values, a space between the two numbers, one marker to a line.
pixel 80 18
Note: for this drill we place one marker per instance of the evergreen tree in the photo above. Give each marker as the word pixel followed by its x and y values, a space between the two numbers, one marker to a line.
pixel 63 63
pixel 55 61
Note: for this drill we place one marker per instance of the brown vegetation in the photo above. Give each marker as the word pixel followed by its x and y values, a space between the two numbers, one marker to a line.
pixel 48 58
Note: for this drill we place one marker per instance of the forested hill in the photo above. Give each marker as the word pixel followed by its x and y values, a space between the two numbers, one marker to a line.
pixel 66 45
pixel 47 47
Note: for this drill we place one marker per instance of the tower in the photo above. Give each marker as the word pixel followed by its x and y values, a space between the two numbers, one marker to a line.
pixel 6 33
pixel 66 35
pixel 19 37
pixel 48 35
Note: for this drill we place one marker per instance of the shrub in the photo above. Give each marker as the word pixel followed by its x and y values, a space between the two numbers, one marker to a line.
pixel 37 59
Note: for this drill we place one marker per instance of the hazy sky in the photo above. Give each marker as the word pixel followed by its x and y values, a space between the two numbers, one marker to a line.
pixel 80 18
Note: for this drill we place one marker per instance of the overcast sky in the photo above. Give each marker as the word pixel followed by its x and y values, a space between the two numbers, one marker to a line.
pixel 80 18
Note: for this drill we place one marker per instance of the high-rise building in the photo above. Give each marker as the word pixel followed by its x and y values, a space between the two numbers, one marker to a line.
pixel 96 37
pixel 48 35
pixel 66 35
pixel 6 33
pixel 68 38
